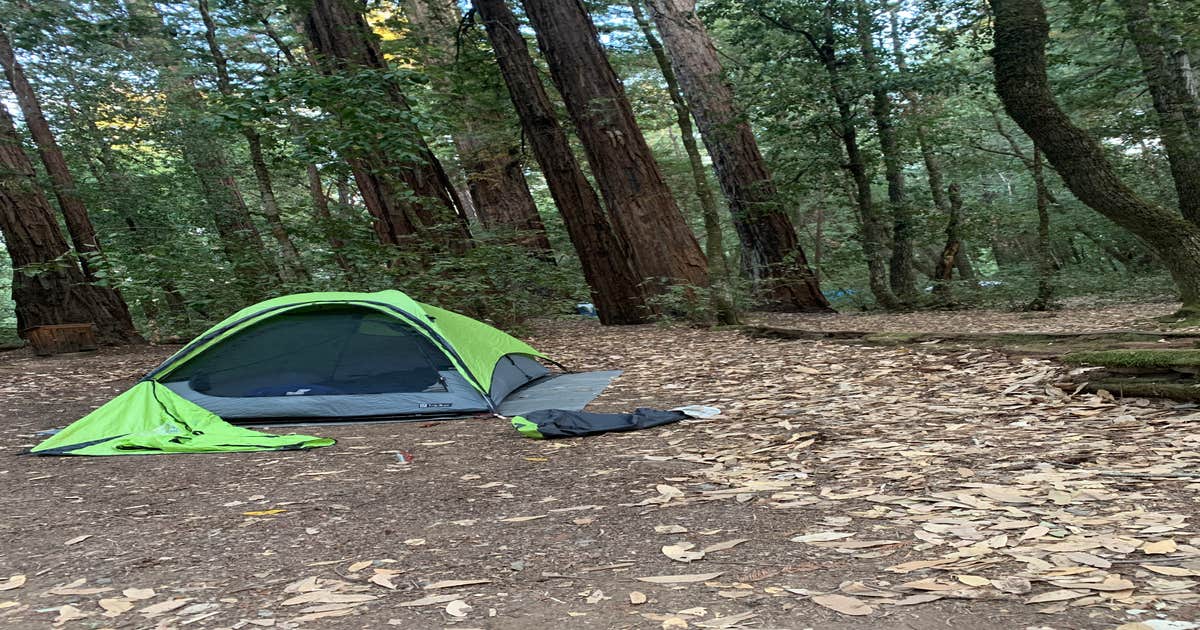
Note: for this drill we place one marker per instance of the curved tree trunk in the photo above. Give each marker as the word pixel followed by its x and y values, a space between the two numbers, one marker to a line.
pixel 778 267
pixel 1021 33
pixel 79 224
pixel 342 41
pixel 662 247
pixel 48 286
pixel 616 289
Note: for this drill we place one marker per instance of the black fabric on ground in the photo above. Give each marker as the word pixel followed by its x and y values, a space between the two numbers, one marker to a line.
pixel 560 423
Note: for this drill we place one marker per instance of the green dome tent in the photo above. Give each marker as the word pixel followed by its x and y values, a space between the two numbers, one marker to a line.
pixel 303 357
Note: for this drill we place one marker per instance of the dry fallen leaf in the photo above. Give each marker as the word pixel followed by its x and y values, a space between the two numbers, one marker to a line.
pixel 679 579
pixel 1171 571
pixel 636 598
pixel 1055 596
pixel 264 512
pixel 1160 547
pixel 328 597
pixel 843 604
pixel 522 519
pixel 722 546
pixel 13 582
pixel 359 566
pixel 430 600
pixel 1013 584
pixel 454 583
pixel 164 607
pixel 681 552
pixel 78 539
pixel 138 594
pixel 972 580
pixel 458 608
pixel 822 537
pixel 115 606
pixel 68 613
pixel 670 529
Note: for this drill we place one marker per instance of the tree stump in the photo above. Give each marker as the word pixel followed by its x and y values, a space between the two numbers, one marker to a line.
pixel 60 338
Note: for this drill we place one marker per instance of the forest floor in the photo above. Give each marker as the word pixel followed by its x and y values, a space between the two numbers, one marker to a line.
pixel 843 486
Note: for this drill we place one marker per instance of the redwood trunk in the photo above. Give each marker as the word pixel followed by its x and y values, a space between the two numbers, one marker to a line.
pixel 776 261
pixel 79 224
pixel 616 289
pixel 643 211
pixel 1021 33
pixel 48 286
pixel 495 177
pixel 719 273
pixel 342 42
pixel 944 270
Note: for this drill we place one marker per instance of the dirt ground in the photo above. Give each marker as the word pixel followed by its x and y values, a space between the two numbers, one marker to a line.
pixel 843 486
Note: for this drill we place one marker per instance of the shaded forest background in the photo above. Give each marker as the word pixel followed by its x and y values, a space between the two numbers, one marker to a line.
pixel 230 150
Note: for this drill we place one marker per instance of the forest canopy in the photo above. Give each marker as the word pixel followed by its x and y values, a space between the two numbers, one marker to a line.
pixel 165 163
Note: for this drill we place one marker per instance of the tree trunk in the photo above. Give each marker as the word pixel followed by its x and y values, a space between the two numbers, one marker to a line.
pixel 616 289
pixel 719 273
pixel 778 267
pixel 900 267
pixel 79 224
pixel 1171 99
pixel 291 268
pixel 344 43
pixel 944 272
pixel 874 233
pixel 1044 300
pixel 662 247
pixel 316 191
pixel 1021 33
pixel 495 175
pixel 240 240
pixel 48 285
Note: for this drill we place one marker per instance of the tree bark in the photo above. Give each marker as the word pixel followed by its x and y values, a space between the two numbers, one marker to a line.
pixel 616 289
pixel 343 42
pixel 79 224
pixel 316 191
pixel 644 213
pixel 1044 300
pixel 900 267
pixel 719 273
pixel 1169 93
pixel 1021 32
pixel 48 285
pixel 944 271
pixel 291 268
pixel 777 264
pixel 495 174
pixel 874 233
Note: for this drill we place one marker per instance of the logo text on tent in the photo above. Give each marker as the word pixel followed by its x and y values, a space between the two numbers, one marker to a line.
pixel 428 405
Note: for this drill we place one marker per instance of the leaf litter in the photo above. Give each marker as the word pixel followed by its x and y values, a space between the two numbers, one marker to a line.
pixel 926 476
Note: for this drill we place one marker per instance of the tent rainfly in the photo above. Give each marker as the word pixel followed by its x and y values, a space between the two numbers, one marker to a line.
pixel 305 357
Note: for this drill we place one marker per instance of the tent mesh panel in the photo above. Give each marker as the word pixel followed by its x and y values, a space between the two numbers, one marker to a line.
pixel 323 350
